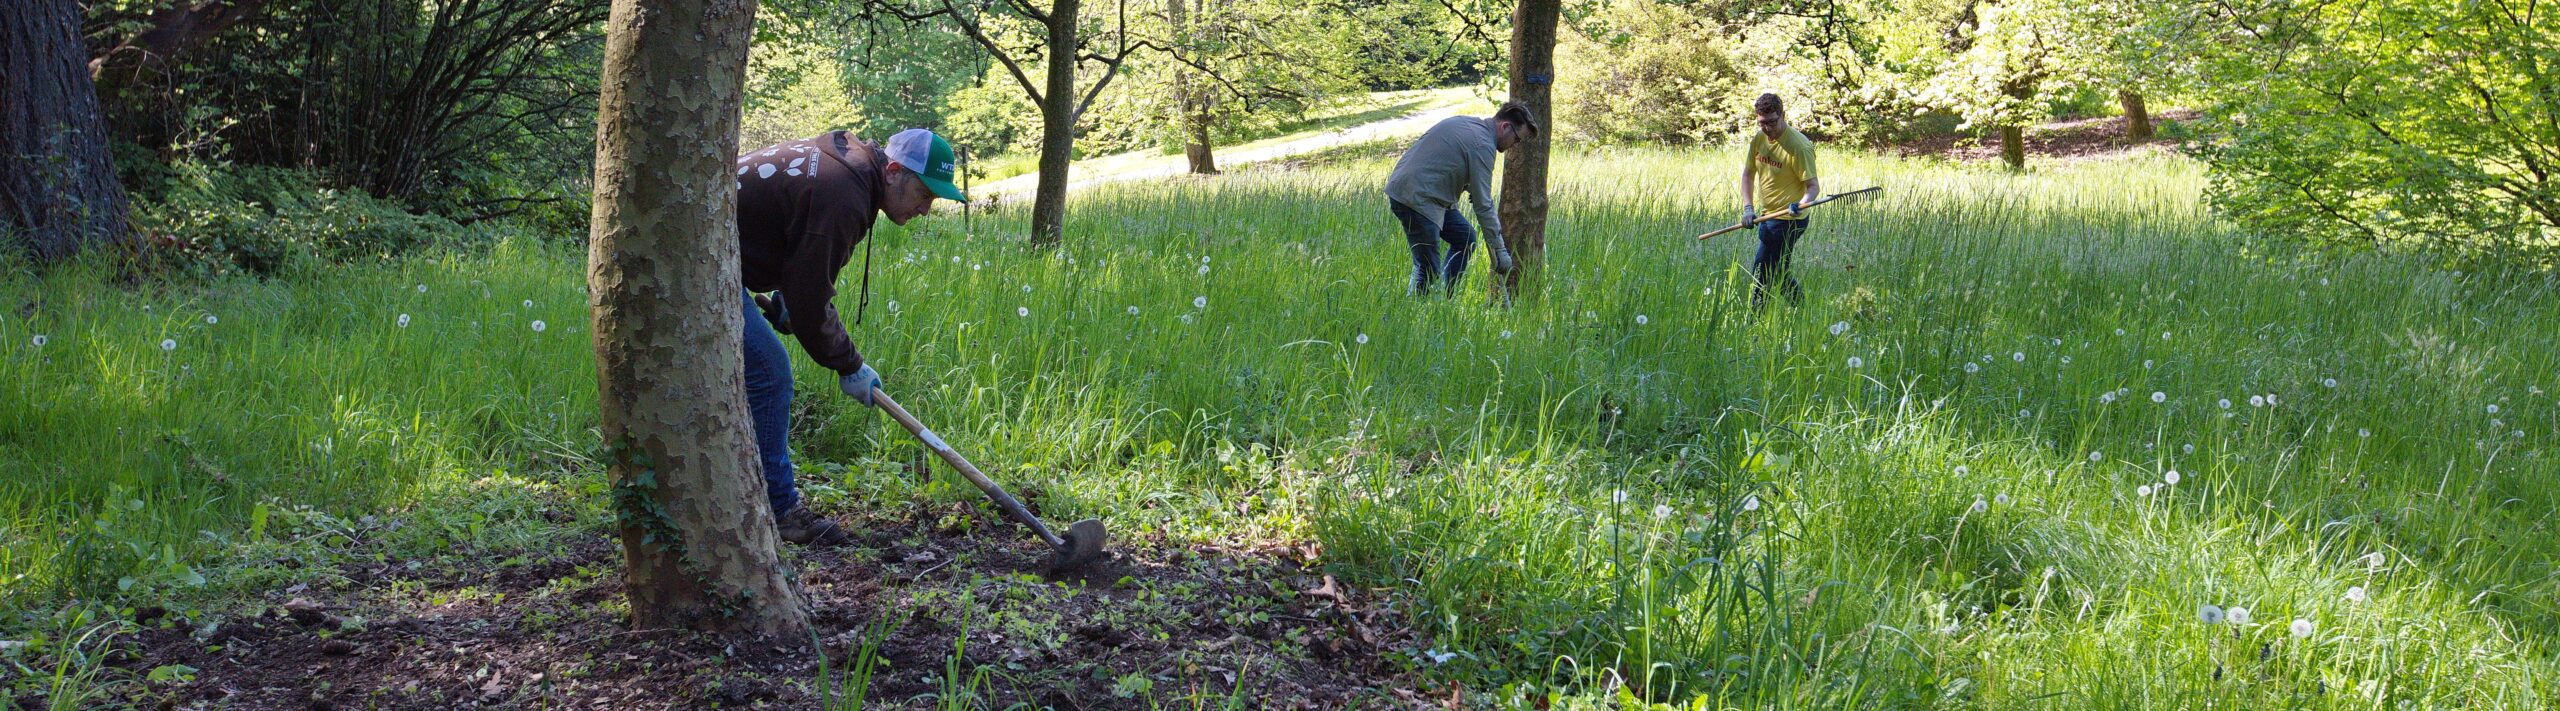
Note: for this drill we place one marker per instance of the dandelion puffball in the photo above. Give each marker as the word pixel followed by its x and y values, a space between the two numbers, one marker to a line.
pixel 2171 477
pixel 528 303
pixel 2001 499
pixel 1855 362
pixel 2257 401
pixel 2301 628
pixel 1200 302
pixel 1970 367
pixel 2238 615
pixel 1506 335
pixel 2209 614
pixel 1362 339
pixel 1022 311
pixel 2225 403
pixel 1980 506
pixel 38 340
pixel 1133 311
pixel 1618 497
pixel 1661 511
pixel 2159 397
pixel 1839 328
pixel 404 320
pixel 2493 408
pixel 2329 382
pixel 1640 320
pixel 209 320
pixel 2143 490
pixel 538 326
pixel 2018 357
pixel 168 344
pixel 1751 503
pixel 2355 594
pixel 422 288
pixel 2096 456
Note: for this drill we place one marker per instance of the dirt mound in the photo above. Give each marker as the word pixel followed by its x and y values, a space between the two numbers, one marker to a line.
pixel 954 608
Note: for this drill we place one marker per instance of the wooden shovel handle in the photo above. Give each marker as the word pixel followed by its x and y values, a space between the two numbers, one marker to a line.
pixel 960 463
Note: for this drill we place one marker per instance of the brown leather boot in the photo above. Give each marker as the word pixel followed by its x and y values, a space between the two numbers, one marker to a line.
pixel 805 527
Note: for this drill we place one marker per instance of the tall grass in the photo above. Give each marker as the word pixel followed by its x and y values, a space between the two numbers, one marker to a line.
pixel 1634 487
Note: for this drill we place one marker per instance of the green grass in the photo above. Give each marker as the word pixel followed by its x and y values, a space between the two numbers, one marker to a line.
pixel 1633 489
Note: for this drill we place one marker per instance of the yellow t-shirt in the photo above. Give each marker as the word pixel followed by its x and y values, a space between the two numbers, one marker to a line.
pixel 1781 170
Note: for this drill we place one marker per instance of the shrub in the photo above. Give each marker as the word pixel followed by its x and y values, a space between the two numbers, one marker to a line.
pixel 209 219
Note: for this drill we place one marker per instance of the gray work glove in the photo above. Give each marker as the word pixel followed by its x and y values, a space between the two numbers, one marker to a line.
pixel 861 384
pixel 1502 263
pixel 1750 214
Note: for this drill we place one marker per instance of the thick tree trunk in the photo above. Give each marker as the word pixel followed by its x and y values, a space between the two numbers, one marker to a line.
pixel 1190 108
pixel 58 189
pixel 1524 167
pixel 2013 147
pixel 2137 117
pixel 1057 128
pixel 662 271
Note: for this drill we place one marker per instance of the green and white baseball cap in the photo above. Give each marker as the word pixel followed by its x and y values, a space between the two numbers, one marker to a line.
pixel 929 157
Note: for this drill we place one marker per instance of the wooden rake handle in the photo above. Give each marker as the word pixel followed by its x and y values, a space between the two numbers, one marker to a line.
pixel 1787 211
pixel 961 464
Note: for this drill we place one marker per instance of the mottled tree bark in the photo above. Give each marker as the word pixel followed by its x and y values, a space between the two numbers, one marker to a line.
pixel 1057 128
pixel 58 189
pixel 662 274
pixel 1524 167
pixel 2137 117
pixel 2013 147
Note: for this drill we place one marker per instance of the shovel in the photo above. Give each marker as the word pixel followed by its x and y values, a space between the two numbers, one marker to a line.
pixel 1081 546
pixel 1790 211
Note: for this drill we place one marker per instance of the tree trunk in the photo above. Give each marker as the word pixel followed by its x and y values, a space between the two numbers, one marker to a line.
pixel 58 193
pixel 1190 108
pixel 2013 147
pixel 1057 128
pixel 2137 118
pixel 662 271
pixel 1524 167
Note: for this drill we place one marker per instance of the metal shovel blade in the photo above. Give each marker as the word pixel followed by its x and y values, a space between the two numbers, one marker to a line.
pixel 1081 546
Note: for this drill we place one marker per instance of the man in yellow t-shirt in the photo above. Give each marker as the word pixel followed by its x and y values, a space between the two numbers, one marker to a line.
pixel 1777 174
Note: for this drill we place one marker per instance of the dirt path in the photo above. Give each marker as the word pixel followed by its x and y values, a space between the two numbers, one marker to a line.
pixel 932 591
pixel 1145 165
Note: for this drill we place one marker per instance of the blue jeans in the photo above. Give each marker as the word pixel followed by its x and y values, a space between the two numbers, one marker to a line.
pixel 1425 243
pixel 769 406
pixel 1777 257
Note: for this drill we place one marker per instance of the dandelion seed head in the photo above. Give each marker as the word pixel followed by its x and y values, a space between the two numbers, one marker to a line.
pixel 1839 328
pixel 1204 270
pixel 2066 360
pixel 2159 397
pixel 2119 331
pixel 1856 362
pixel 1618 496
pixel 2209 614
pixel 2355 594
pixel 528 303
pixel 2143 490
pixel 1640 319
pixel 404 320
pixel 38 340
pixel 2257 401
pixel 2363 433
pixel 2238 615
pixel 1979 505
pixel 2329 382
pixel 1962 470
pixel 1024 311
pixel 1661 511
pixel 1026 288
pixel 168 344
pixel 2001 498
pixel 2375 559
pixel 2164 335
pixel 1200 302
pixel 2096 456
pixel 1133 311
pixel 1362 338
pixel 2018 357
pixel 2106 397
pixel 422 288
pixel 2225 403
pixel 2493 408
pixel 2301 628
pixel 1506 335
pixel 2171 477
pixel 538 326
pixel 210 319
pixel 1751 503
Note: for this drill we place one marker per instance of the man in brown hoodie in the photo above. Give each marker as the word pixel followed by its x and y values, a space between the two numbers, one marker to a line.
pixel 802 206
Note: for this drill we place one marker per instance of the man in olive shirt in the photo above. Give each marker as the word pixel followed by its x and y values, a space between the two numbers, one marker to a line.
pixel 1454 156
pixel 802 206
pixel 1777 173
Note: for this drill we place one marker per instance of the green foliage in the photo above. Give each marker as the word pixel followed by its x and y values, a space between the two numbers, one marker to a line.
pixel 2397 123
pixel 212 220
pixel 1647 71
